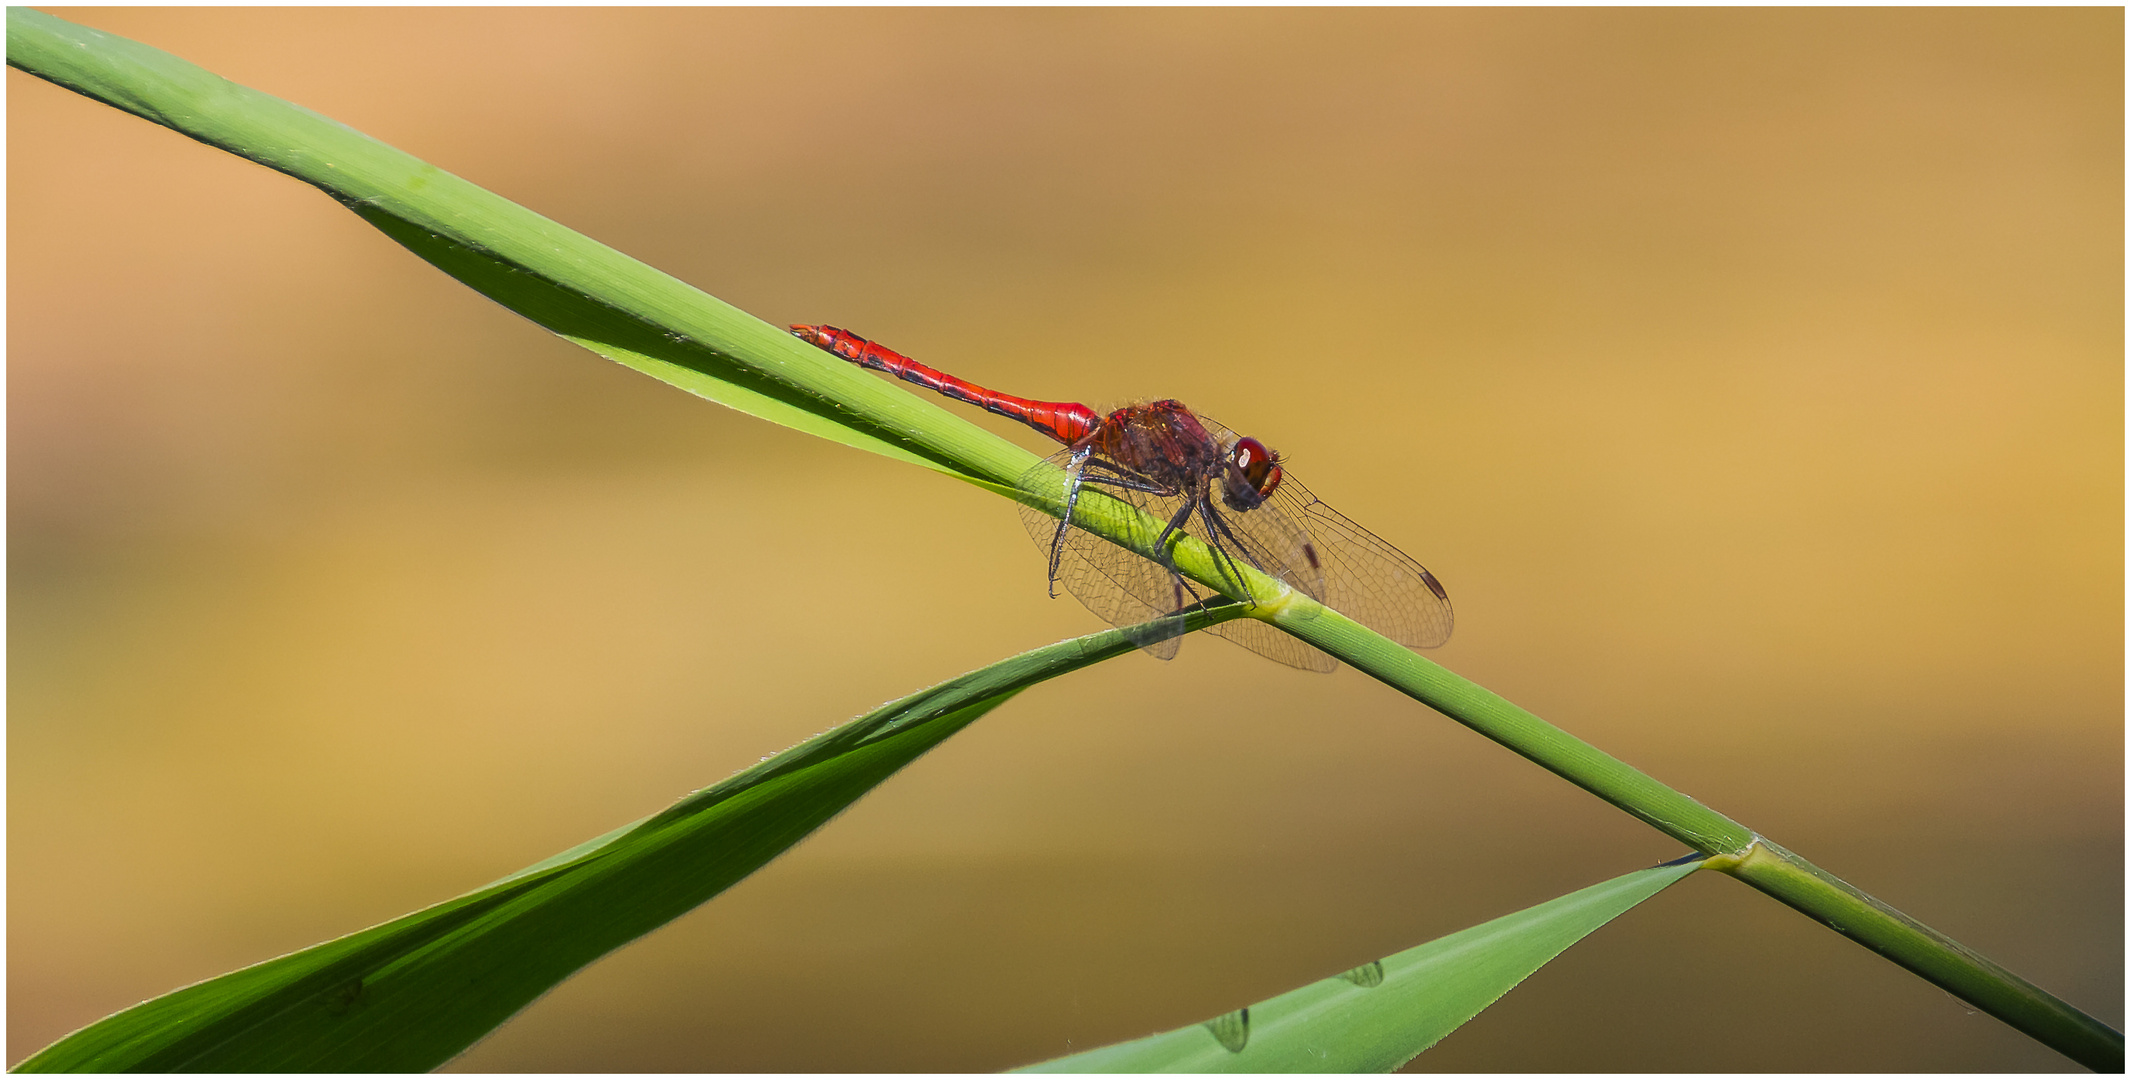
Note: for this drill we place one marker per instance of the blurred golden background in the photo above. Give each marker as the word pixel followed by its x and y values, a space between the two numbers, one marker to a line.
pixel 1752 379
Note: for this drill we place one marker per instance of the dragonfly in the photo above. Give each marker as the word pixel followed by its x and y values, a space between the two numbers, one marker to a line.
pixel 1192 476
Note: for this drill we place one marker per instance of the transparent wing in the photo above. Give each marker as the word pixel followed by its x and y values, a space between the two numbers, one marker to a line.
pixel 1122 588
pixel 1275 644
pixel 1366 579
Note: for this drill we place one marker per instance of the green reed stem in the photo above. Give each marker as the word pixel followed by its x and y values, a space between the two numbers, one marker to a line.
pixel 1740 852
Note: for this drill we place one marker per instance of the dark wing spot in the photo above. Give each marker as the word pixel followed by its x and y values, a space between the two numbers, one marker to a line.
pixel 1427 578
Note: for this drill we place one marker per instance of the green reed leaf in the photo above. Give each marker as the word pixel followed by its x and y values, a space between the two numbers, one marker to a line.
pixel 414 992
pixel 1377 1017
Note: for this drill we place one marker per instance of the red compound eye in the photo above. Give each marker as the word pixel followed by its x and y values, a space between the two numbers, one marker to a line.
pixel 1259 465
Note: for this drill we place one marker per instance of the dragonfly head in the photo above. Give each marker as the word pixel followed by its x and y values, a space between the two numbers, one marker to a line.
pixel 1253 473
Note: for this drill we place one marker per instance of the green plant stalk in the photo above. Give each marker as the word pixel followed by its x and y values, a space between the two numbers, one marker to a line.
pixel 1842 907
pixel 612 304
pixel 1739 852
pixel 1490 714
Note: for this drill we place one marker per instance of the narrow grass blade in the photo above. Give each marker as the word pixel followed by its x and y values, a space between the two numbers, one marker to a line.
pixel 564 281
pixel 1376 1017
pixel 410 994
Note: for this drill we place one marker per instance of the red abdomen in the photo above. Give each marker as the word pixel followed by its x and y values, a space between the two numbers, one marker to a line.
pixel 1066 421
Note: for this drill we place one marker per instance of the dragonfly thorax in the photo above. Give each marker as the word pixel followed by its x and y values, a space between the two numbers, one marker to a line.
pixel 1161 442
pixel 1166 444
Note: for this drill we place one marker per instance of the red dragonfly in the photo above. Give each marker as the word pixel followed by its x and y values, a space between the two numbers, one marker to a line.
pixel 1197 477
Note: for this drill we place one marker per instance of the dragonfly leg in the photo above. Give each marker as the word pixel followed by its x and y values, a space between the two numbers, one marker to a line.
pixel 1218 530
pixel 1161 543
pixel 1179 586
pixel 1058 539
